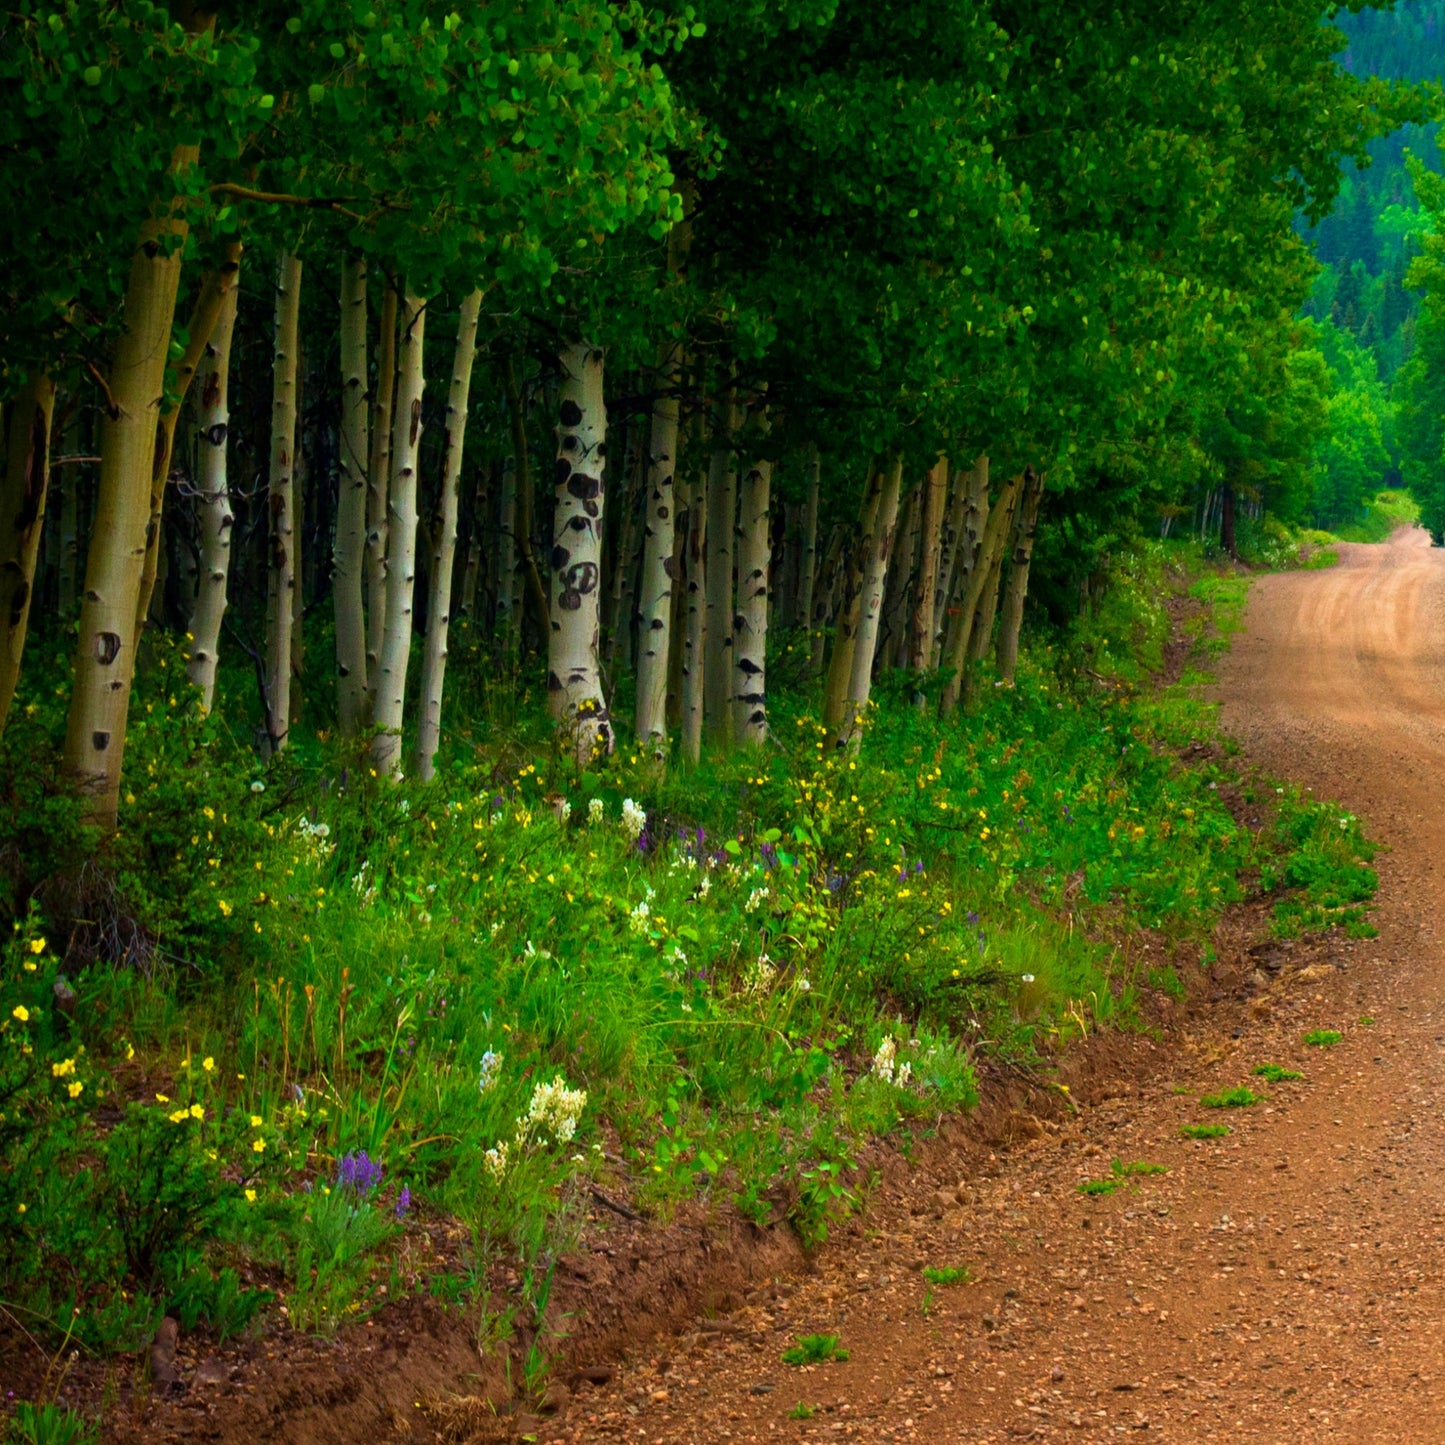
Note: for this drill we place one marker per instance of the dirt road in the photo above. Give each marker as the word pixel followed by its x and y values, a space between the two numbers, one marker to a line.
pixel 1280 1284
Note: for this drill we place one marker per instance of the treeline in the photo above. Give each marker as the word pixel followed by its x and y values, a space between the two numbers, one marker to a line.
pixel 633 333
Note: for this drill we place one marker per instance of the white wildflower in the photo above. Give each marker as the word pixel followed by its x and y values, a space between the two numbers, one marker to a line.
pixel 905 1073
pixel 760 975
pixel 883 1059
pixel 258 786
pixel 555 1108
pixel 705 887
pixel 594 812
pixel 637 919
pixel 803 984
pixel 491 1071
pixel 496 1160
pixel 755 899
pixel 634 820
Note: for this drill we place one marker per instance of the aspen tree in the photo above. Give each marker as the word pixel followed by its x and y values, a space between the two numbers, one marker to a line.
pixel 444 540
pixel 213 503
pixel 389 706
pixel 935 495
pixel 1011 612
pixel 281 507
pixel 721 537
pixel 694 640
pixel 22 513
pixel 574 681
pixel 353 457
pixel 750 624
pixel 378 478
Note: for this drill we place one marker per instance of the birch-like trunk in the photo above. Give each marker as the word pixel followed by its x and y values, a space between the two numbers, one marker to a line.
pixel 574 680
pixel 808 555
pixel 444 541
pixel 22 514
pixel 627 496
pixel 845 631
pixel 105 649
pixel 935 498
pixel 213 505
pixel 349 557
pixel 1011 612
pixel 722 485
pixel 750 624
pixel 281 506
pixel 878 550
pixel 70 519
pixel 654 610
pixel 694 637
pixel 902 573
pixel 214 289
pixel 378 477
pixel 967 513
pixel 389 707
pixel 832 576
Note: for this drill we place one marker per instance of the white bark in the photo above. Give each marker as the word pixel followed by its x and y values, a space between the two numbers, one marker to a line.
pixel 750 624
pixel 389 708
pixel 213 503
pixel 875 580
pixel 350 554
pixel 281 501
pixel 444 541
pixel 695 618
pixel 1011 613
pixel 378 476
pixel 574 680
pixel 722 486
pixel 654 612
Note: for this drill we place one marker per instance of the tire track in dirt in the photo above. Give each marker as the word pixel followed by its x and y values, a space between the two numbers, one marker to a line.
pixel 1283 1284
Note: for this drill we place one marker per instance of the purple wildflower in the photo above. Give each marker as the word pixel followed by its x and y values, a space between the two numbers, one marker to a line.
pixel 403 1202
pixel 359 1171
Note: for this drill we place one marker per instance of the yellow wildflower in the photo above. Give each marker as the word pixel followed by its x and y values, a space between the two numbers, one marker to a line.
pixel 256 1119
pixel 76 1088
pixel 226 909
pixel 259 1145
pixel 21 1012
pixel 37 945
pixel 60 1070
pixel 197 1112
pixel 208 1063
pixel 250 1196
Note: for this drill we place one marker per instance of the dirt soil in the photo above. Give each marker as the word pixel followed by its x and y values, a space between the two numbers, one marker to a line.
pixel 1282 1283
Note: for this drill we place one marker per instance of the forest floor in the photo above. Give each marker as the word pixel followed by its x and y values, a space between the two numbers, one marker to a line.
pixel 1280 1283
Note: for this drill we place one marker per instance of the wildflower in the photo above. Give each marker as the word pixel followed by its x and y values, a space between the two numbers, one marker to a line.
pixel 256 1119
pixel 803 984
pixel 258 1146
pixel 403 1202
pixel 496 1160
pixel 197 1112
pixel 760 975
pixel 226 908
pixel 491 1069
pixel 883 1059
pixel 564 810
pixel 258 786
pixel 21 1012
pixel 634 820
pixel 21 1208
pixel 37 946
pixel 60 1070
pixel 755 899
pixel 208 1064
pixel 178 1116
pixel 250 1196
pixel 359 1171
pixel 905 1073
pixel 637 919
pixel 1026 978
pixel 556 1107
pixel 75 1088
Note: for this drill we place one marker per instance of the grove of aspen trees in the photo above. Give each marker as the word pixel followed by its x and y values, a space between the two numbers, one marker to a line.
pixel 581 590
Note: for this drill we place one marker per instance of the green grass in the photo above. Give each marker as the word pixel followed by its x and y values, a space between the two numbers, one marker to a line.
pixel 1240 1098
pixel 1275 1073
pixel 802 1411
pixel 1205 1131
pixel 815 1350
pixel 1389 510
pixel 1323 1038
pixel 947 1275
pixel 1096 1187
pixel 1138 1168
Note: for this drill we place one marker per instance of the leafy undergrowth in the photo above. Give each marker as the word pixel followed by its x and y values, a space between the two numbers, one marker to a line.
pixel 293 1017
pixel 1389 509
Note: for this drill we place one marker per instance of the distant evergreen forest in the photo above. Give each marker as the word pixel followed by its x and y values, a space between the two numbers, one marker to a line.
pixel 1376 329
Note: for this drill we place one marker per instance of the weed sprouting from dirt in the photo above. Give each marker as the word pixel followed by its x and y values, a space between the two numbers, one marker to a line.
pixel 815 1350
pixel 1240 1098
pixel 1275 1073
pixel 1323 1038
pixel 1205 1131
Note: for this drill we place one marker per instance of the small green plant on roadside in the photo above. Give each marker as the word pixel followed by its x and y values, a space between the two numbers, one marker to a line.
pixel 1240 1098
pixel 50 1425
pixel 1205 1131
pixel 1323 1038
pixel 815 1350
pixel 1094 1187
pixel 1366 1022
pixel 800 1411
pixel 1275 1073
pixel 1125 1171
pixel 947 1275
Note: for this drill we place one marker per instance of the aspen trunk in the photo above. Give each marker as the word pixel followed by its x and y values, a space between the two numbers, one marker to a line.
pixel 574 682
pixel 281 507
pixel 682 521
pixel 214 289
pixel 845 632
pixel 878 550
pixel 895 611
pixel 750 625
pixel 472 571
pixel 808 555
pixel 935 497
pixel 349 558
pixel 22 514
pixel 654 611
pixel 721 526
pixel 833 571
pixel 378 477
pixel 694 642
pixel 105 649
pixel 1012 611
pixel 992 540
pixel 967 514
pixel 69 520
pixel 444 541
pixel 389 707
pixel 213 505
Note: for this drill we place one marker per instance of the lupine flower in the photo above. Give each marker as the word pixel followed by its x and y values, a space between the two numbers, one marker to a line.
pixel 359 1171
pixel 403 1202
